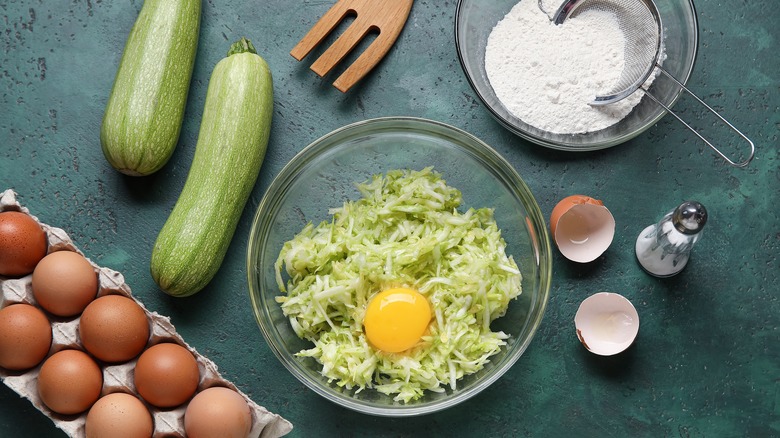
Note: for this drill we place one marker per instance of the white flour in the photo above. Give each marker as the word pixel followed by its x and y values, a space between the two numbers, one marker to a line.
pixel 546 74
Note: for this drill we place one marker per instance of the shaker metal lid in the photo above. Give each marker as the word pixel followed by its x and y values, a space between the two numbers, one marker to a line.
pixel 689 217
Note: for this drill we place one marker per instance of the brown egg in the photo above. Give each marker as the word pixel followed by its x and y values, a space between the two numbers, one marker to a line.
pixel 114 328
pixel 22 244
pixel 217 412
pixel 25 336
pixel 70 382
pixel 119 415
pixel 64 283
pixel 166 375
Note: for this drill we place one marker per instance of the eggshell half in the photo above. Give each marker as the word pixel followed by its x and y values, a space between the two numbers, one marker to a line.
pixel 607 323
pixel 582 228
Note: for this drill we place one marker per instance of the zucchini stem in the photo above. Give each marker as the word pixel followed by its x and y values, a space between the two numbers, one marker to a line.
pixel 242 46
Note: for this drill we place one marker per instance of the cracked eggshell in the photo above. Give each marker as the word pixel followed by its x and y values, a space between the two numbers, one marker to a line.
pixel 582 228
pixel 607 323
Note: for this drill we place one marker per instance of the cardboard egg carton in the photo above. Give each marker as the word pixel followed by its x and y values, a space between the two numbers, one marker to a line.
pixel 116 377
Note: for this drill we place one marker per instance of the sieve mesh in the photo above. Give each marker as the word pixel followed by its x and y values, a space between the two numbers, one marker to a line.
pixel 641 26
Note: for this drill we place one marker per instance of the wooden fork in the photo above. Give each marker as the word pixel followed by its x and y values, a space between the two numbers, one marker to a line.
pixel 387 17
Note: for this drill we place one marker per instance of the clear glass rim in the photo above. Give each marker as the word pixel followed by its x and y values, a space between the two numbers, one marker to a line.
pixel 275 193
pixel 563 145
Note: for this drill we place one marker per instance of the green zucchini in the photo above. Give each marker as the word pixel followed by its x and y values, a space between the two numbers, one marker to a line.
pixel 231 146
pixel 144 112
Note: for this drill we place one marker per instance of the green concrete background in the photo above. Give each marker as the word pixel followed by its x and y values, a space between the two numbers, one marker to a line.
pixel 706 360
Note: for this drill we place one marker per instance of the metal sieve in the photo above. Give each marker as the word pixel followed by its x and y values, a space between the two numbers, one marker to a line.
pixel 640 23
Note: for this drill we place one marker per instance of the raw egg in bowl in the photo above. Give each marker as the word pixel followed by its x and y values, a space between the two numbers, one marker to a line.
pixel 395 318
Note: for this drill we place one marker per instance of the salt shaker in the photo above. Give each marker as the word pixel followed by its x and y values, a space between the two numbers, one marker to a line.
pixel 663 249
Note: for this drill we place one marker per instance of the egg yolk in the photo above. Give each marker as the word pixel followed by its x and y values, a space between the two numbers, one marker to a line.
pixel 396 319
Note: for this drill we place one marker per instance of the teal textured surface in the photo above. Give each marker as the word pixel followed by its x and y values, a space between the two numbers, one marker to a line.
pixel 707 359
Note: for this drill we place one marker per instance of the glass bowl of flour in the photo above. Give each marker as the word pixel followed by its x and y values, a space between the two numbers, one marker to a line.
pixel 538 79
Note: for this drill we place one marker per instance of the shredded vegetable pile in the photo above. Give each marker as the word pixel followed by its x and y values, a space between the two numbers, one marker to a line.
pixel 405 231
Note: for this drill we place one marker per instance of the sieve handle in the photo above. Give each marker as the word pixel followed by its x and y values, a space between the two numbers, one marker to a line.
pixel 732 127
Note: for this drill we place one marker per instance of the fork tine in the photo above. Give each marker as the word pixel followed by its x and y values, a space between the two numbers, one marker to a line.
pixel 365 62
pixel 339 49
pixel 389 31
pixel 321 29
pixel 387 17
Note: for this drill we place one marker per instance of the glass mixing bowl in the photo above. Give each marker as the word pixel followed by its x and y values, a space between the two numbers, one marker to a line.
pixel 474 21
pixel 323 175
